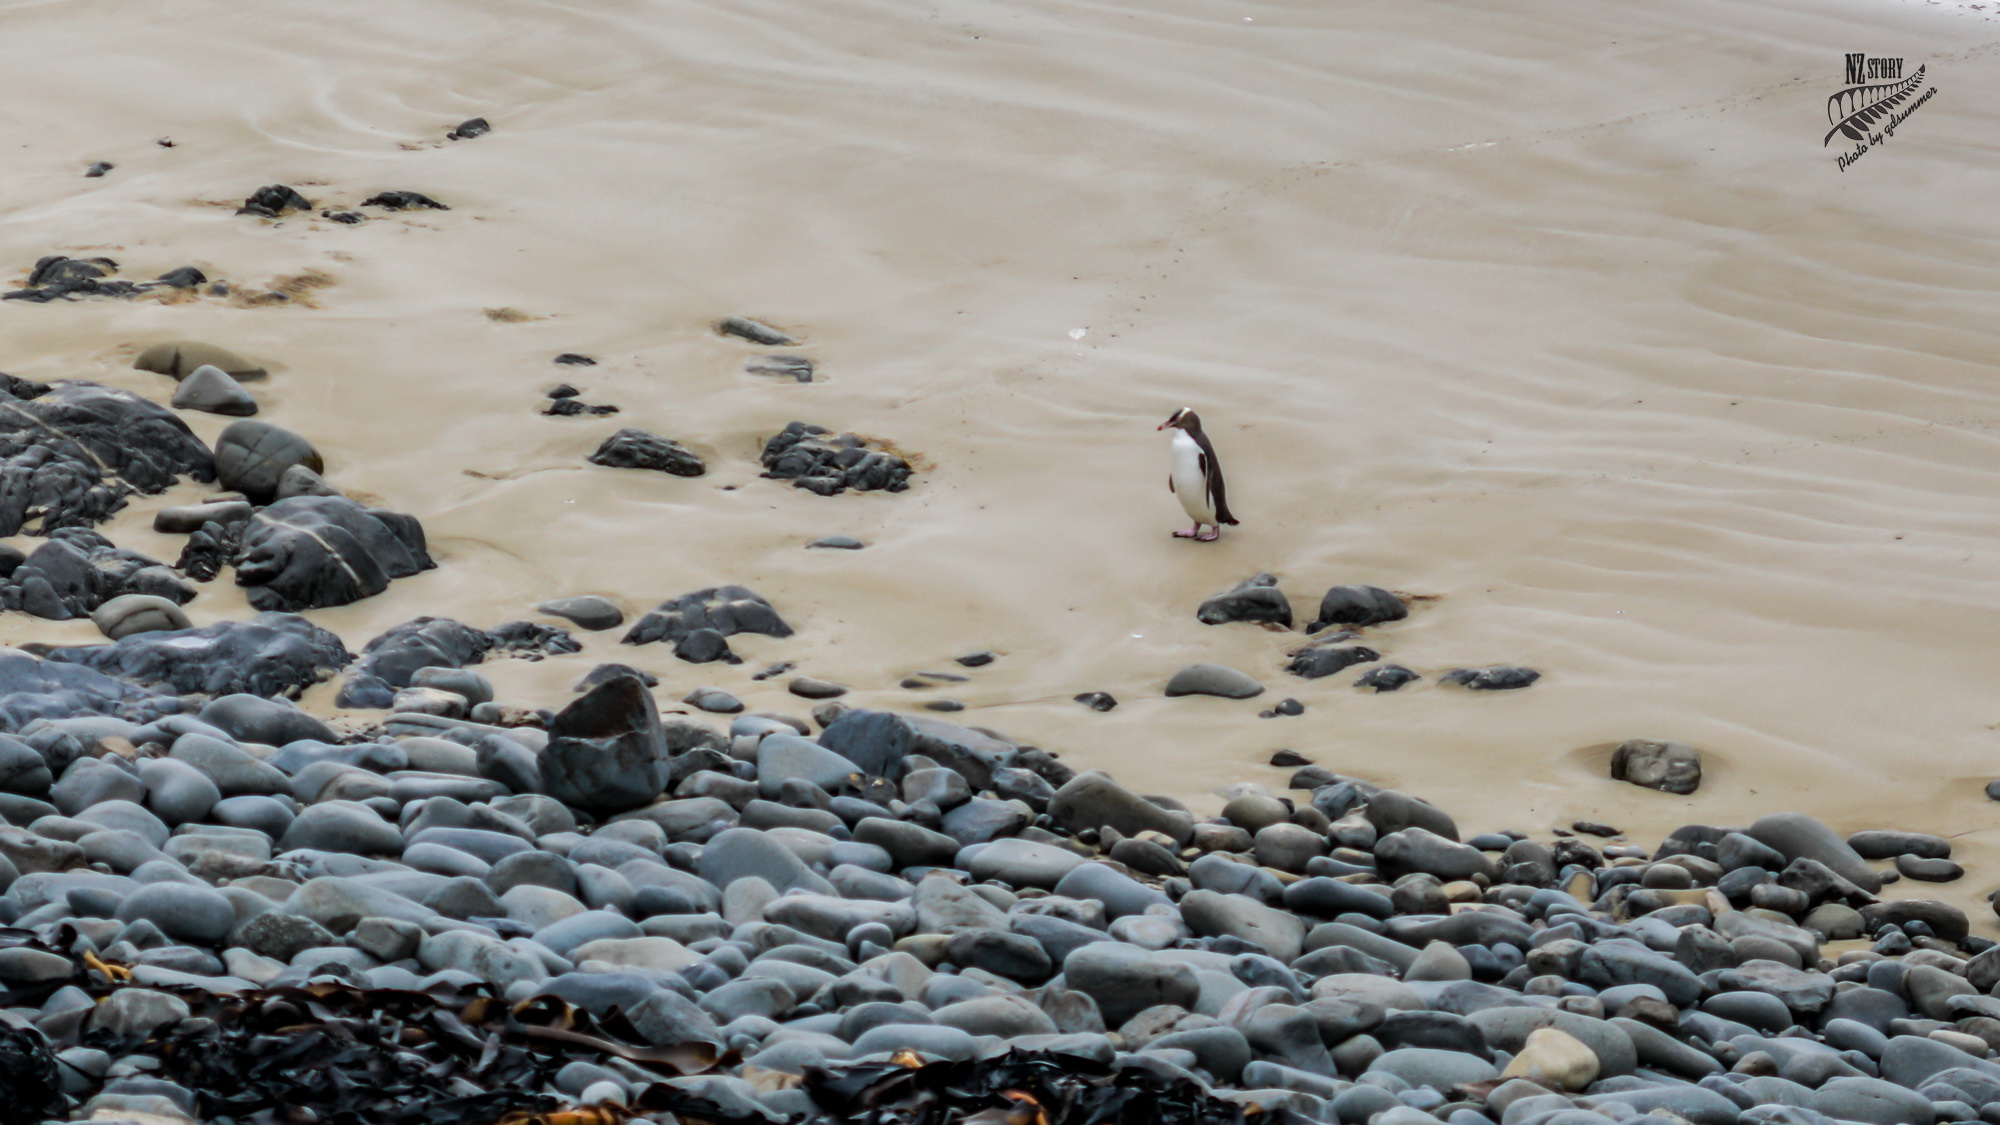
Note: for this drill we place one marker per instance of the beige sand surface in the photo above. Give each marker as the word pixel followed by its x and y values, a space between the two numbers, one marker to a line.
pixel 1558 311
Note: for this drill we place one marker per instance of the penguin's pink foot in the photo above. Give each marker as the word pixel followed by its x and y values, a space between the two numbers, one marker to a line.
pixel 1209 536
pixel 1191 533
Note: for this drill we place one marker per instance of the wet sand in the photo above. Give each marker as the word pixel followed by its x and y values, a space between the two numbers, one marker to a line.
pixel 1559 312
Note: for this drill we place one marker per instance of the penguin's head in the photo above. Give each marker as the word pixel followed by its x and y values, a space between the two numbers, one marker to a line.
pixel 1183 419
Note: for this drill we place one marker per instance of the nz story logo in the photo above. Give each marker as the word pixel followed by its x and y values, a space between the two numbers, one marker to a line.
pixel 1877 98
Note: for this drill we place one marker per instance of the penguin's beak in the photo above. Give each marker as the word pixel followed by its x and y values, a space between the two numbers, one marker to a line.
pixel 1163 425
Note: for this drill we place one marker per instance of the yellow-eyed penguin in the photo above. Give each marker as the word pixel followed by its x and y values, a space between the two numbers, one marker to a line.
pixel 1196 477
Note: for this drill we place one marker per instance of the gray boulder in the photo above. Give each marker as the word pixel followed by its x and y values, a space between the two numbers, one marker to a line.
pixel 607 752
pixel 1671 767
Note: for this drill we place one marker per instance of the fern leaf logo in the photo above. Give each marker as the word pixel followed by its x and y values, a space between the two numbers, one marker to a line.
pixel 1854 109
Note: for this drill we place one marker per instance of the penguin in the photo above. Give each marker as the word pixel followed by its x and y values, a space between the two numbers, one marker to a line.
pixel 1196 477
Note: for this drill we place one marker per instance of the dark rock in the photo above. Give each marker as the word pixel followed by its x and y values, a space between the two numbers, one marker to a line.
pixel 1255 599
pixel 1360 606
pixel 1882 844
pixel 73 455
pixel 1097 700
pixel 797 368
pixel 468 129
pixel 1500 677
pixel 877 742
pixel 815 459
pixel 1388 677
pixel 1290 758
pixel 606 751
pixel 977 659
pixel 754 331
pixel 55 688
pixel 57 277
pixel 569 406
pixel 211 390
pixel 529 640
pixel 637 449
pixel 251 457
pixel 274 200
pixel 311 552
pixel 808 688
pixel 1671 767
pixel 183 277
pixel 98 168
pixel 1797 836
pixel 77 571
pixel 1321 658
pixel 586 611
pixel 271 654
pixel 348 218
pixel 403 201
pixel 727 610
pixel 388 661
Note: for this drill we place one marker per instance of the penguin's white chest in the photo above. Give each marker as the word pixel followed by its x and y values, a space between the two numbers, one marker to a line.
pixel 1190 483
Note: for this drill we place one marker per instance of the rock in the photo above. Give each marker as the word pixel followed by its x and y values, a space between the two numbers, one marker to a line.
pixel 1671 767
pixel 391 660
pixel 1434 1069
pixel 738 853
pixel 808 688
pixel 1255 599
pixel 637 449
pixel 908 845
pixel 282 937
pixel 271 654
pixel 1094 800
pixel 1882 844
pixel 1554 1058
pixel 722 610
pixel 1281 933
pixel 813 458
pixel 586 611
pixel 1327 657
pixel 403 201
pixel 272 201
pixel 190 517
pixel 836 542
pixel 1388 677
pixel 1802 992
pixel 181 358
pixel 250 457
pixel 1798 836
pixel 1008 1017
pixel 342 826
pixel 1872 1100
pixel 1014 956
pixel 127 614
pixel 1213 679
pixel 1024 863
pixel 312 552
pixel 1500 677
pixel 177 792
pixel 185 911
pixel 208 388
pixel 1507 1029
pixel 301 481
pixel 754 331
pixel 73 455
pixel 1125 980
pixel 797 368
pixel 1359 606
pixel 877 742
pixel 832 917
pixel 1946 921
pixel 1418 849
pixel 606 751
pixel 136 1011
pixel 667 1019
pixel 247 717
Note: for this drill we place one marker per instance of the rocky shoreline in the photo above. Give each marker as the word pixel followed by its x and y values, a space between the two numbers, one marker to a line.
pixel 220 907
